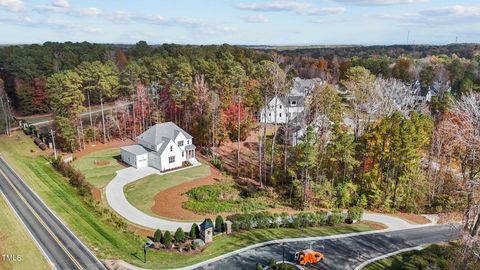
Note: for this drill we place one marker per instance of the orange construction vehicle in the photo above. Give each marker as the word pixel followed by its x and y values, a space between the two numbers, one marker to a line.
pixel 308 256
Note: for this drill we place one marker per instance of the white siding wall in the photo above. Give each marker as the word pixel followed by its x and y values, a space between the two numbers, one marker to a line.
pixel 154 160
pixel 176 152
pixel 133 160
pixel 181 137
pixel 268 113
pixel 142 160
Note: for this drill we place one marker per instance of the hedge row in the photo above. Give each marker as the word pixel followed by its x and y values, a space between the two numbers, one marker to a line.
pixel 284 220
pixel 75 177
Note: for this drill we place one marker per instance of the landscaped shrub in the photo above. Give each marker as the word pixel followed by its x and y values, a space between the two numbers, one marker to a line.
pixel 219 224
pixel 335 218
pixel 272 263
pixel 262 219
pixel 259 266
pixel 167 239
pixel 75 177
pixel 157 237
pixel 195 245
pixel 355 213
pixel 321 218
pixel 194 231
pixel 217 162
pixel 284 220
pixel 179 235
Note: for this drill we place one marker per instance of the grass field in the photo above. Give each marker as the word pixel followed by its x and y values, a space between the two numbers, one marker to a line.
pixel 141 193
pixel 108 242
pixel 100 166
pixel 15 240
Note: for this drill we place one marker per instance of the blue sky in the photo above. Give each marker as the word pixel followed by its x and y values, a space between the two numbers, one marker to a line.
pixel 296 22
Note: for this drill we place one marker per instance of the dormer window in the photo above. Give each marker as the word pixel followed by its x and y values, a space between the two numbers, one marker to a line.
pixel 293 103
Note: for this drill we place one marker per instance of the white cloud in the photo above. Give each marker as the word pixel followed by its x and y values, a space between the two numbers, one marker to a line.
pixel 255 19
pixel 61 4
pixel 438 16
pixel 36 22
pixel 63 7
pixel 322 11
pixel 380 2
pixel 297 7
pixel 274 6
pixel 13 5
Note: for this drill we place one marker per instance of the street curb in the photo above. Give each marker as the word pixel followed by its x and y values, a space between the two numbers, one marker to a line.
pixel 365 263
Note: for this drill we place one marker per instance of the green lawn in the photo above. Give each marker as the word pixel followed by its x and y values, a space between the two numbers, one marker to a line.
pixel 99 167
pixel 108 242
pixel 435 256
pixel 15 240
pixel 141 193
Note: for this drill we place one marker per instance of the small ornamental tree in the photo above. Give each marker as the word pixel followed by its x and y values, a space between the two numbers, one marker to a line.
pixel 167 239
pixel 157 237
pixel 179 236
pixel 194 231
pixel 219 224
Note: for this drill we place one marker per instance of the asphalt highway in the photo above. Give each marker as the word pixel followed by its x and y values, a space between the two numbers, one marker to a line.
pixel 62 248
pixel 342 253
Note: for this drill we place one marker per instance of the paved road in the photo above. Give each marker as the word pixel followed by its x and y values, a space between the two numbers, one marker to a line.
pixel 63 249
pixel 342 253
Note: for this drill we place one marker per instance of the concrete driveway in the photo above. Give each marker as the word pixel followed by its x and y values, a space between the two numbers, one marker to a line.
pixel 119 203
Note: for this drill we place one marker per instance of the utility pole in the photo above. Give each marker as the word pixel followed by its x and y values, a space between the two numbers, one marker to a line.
pixel 53 142
pixel 103 122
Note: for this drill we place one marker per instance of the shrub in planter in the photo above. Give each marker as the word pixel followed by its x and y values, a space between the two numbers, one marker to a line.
pixel 195 245
pixel 167 239
pixel 194 231
pixel 157 237
pixel 219 224
pixel 335 218
pixel 272 263
pixel 355 213
pixel 179 236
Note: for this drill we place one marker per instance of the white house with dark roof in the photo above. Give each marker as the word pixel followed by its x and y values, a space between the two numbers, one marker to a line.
pixel 163 146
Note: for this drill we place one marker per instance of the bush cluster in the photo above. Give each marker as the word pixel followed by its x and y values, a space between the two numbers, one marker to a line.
pixel 355 213
pixel 75 177
pixel 268 220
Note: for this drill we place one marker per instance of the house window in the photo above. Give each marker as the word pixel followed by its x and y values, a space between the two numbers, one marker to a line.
pixel 183 153
pixel 294 103
pixel 171 159
pixel 171 148
pixel 280 106
pixel 188 141
pixel 270 114
pixel 280 115
pixel 180 143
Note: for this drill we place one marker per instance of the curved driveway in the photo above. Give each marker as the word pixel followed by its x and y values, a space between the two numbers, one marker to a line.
pixel 118 202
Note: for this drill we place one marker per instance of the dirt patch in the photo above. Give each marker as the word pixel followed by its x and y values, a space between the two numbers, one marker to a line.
pixel 168 203
pixel 90 148
pixel 96 193
pixel 141 231
pixel 444 218
pixel 374 225
pixel 102 163
pixel 412 218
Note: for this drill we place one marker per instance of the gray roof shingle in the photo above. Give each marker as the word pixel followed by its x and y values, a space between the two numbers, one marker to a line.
pixel 134 149
pixel 159 133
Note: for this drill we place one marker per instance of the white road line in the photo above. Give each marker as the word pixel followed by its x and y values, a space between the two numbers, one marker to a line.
pixel 28 230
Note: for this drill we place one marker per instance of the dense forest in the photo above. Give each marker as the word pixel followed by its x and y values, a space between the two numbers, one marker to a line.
pixel 394 155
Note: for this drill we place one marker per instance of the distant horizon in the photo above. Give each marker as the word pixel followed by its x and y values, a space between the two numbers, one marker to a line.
pixel 285 22
pixel 247 45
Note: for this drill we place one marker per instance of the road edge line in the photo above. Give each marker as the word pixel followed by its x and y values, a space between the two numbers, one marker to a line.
pixel 367 262
pixel 28 230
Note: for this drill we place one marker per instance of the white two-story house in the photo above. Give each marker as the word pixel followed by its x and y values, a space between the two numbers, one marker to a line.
pixel 163 146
